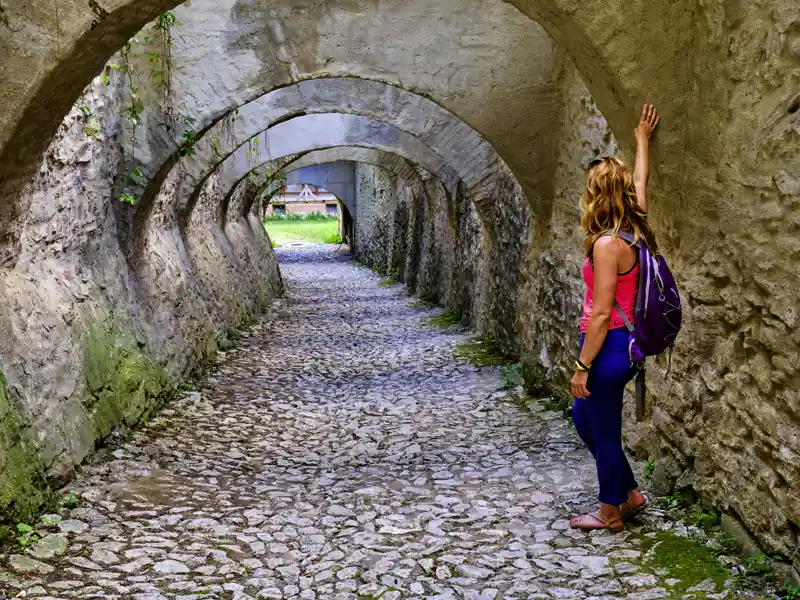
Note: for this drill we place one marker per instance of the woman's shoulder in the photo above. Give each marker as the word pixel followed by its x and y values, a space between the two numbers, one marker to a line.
pixel 609 243
pixel 610 246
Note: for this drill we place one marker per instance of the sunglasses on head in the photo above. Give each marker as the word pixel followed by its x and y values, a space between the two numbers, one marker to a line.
pixel 596 162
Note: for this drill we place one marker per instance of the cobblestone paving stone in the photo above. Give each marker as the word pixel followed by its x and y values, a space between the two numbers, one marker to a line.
pixel 340 451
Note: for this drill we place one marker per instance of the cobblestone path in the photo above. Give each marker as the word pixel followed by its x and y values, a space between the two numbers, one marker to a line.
pixel 339 452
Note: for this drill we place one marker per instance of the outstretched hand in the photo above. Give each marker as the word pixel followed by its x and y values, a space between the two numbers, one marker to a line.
pixel 647 123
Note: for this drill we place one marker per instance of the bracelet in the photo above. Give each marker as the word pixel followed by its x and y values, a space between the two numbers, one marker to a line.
pixel 581 366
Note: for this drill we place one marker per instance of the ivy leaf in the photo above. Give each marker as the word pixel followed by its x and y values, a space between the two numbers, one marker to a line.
pixel 105 79
pixel 24 528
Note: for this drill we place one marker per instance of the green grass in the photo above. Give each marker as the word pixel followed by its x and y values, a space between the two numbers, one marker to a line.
pixel 286 231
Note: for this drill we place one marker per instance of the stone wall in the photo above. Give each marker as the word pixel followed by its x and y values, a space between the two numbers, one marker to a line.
pixel 81 274
pixel 93 339
pixel 376 201
pixel 725 420
pixel 551 289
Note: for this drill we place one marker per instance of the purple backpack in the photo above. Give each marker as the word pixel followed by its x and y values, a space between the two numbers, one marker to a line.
pixel 658 314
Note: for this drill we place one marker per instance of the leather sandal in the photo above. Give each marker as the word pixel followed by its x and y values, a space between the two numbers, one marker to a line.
pixel 614 524
pixel 631 513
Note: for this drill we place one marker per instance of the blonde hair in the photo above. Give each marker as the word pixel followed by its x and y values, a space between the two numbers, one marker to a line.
pixel 609 204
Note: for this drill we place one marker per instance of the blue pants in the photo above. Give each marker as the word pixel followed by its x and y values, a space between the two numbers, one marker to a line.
pixel 598 418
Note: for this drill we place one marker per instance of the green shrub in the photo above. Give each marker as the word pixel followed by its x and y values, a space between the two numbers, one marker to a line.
pixel 559 404
pixel 313 216
pixel 512 375
pixel 705 518
pixel 760 566
pixel 69 499
pixel 790 592
pixel 27 536
pixel 672 501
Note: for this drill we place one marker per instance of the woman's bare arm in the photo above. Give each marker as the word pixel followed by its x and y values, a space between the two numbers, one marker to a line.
pixel 606 267
pixel 606 254
pixel 641 172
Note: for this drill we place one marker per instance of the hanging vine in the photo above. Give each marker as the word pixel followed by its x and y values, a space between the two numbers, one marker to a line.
pixel 161 62
pixel 132 112
pixel 160 40
pixel 91 126
pixel 273 173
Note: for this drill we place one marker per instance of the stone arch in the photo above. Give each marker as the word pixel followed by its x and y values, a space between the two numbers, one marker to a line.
pixel 596 35
pixel 473 158
pixel 417 186
pixel 204 235
pixel 354 154
pixel 328 130
pixel 337 178
pixel 523 87
pixel 379 158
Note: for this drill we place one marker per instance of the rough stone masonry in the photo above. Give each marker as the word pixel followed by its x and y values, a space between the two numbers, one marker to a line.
pixel 130 248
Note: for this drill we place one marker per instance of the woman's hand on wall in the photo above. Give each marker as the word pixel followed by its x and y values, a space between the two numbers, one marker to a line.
pixel 647 123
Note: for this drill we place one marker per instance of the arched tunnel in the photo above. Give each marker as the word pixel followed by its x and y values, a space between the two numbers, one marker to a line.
pixel 139 142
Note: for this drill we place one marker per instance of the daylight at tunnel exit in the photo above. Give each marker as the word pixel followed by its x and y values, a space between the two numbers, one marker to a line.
pixel 400 300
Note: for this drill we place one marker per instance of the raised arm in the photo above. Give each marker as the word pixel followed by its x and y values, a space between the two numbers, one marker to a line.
pixel 647 124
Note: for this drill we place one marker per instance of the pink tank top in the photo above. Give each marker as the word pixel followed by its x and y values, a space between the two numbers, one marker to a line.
pixel 627 290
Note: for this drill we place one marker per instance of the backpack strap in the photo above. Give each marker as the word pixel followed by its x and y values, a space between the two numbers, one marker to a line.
pixel 628 237
pixel 640 386
pixel 625 319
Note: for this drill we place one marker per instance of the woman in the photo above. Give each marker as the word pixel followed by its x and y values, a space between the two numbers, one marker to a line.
pixel 614 201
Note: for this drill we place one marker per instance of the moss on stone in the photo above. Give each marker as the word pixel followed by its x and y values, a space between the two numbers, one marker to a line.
pixel 481 352
pixel 445 320
pixel 684 559
pixel 23 488
pixel 124 383
pixel 537 383
pixel 228 339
